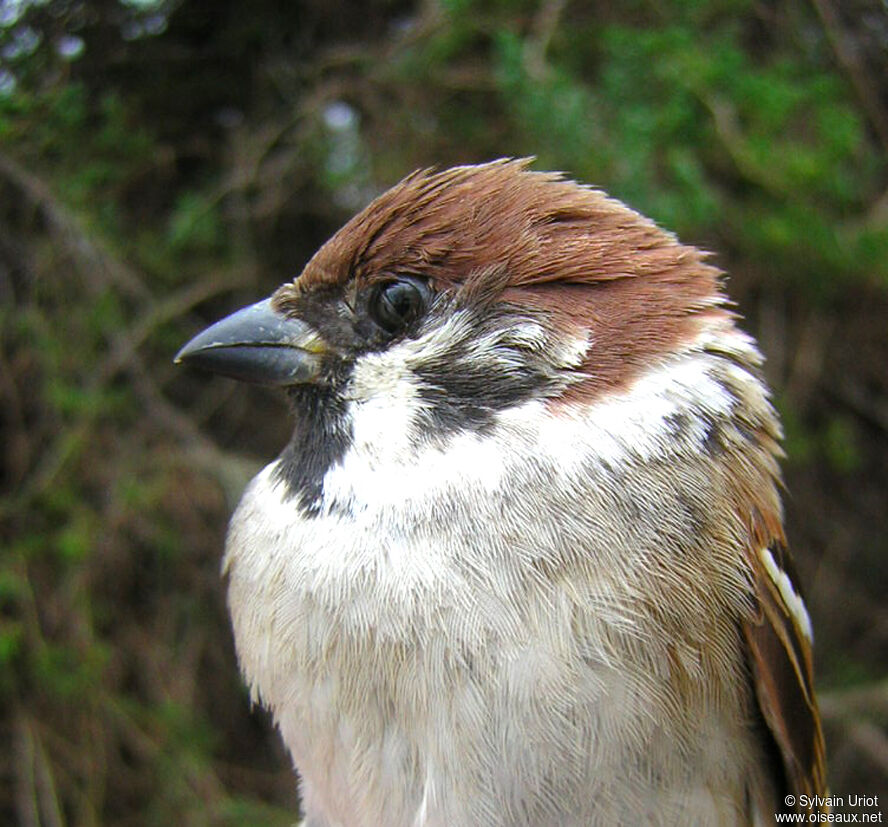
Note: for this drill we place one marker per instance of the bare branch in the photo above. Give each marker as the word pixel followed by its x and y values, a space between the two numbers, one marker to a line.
pixel 98 266
pixel 545 24
pixel 171 307
pixel 853 67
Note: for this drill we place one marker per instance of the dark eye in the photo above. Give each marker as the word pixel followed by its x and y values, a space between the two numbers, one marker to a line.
pixel 395 304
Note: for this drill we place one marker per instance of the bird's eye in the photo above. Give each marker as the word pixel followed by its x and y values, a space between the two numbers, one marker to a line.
pixel 394 305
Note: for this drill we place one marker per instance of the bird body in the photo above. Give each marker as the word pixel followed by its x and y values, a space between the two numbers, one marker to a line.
pixel 522 562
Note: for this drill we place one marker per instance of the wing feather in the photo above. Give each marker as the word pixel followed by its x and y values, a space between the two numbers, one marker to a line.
pixel 779 651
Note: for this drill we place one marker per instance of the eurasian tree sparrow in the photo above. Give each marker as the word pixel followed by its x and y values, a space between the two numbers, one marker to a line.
pixel 522 562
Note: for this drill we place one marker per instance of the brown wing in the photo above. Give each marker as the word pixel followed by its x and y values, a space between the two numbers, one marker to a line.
pixel 779 645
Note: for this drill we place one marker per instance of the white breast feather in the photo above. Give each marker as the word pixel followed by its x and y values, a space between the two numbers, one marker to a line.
pixel 340 618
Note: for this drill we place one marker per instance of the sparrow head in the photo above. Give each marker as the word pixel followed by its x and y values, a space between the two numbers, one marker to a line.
pixel 459 294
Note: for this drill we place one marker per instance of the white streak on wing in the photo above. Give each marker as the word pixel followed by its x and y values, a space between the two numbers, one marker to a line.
pixel 791 597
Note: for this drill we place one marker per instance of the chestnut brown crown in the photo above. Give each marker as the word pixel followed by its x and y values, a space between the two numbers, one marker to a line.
pixel 501 232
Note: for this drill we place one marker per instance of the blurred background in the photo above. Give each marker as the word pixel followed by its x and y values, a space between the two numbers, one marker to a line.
pixel 163 162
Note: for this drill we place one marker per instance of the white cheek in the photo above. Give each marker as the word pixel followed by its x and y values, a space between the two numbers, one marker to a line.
pixel 384 402
pixel 436 343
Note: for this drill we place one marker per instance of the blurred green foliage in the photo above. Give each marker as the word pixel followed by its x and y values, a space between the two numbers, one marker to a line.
pixel 154 158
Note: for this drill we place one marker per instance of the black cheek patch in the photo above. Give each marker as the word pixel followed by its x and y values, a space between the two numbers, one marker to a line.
pixel 463 394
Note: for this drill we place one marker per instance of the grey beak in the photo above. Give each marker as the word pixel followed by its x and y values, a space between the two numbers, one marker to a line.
pixel 257 344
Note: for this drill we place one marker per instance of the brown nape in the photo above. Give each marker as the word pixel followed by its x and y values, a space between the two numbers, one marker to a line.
pixel 599 268
pixel 629 323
